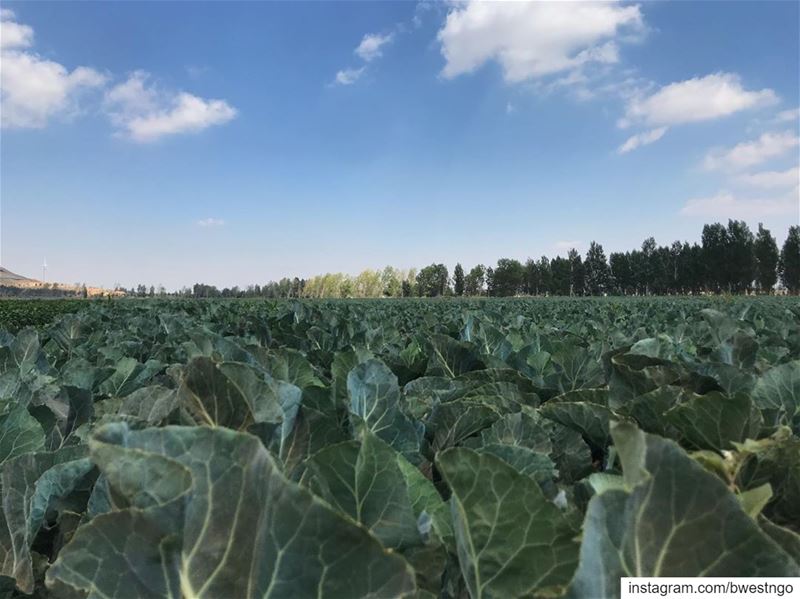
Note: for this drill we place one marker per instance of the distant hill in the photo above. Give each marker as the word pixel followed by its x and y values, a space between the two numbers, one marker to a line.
pixel 8 277
pixel 14 285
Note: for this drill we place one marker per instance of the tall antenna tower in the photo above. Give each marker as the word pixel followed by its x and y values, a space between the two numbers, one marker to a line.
pixel 44 270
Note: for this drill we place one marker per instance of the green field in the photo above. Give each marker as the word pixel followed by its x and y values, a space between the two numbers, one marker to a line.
pixel 16 314
pixel 433 448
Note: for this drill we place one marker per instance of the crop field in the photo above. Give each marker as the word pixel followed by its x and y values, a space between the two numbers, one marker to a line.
pixel 16 314
pixel 446 448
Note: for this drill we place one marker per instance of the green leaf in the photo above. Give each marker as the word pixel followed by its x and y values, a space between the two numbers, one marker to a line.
pixel 590 420
pixel 451 358
pixel 152 404
pixel 774 460
pixel 364 481
pixel 455 421
pixel 19 433
pixel 753 500
pixel 676 519
pixel 213 398
pixel 525 461
pixel 30 483
pixel 292 367
pixel 425 500
pixel 375 401
pixel 512 541
pixel 237 395
pixel 779 389
pixel 520 429
pixel 571 454
pixel 714 420
pixel 648 408
pixel 246 531
pixel 128 376
pixel 789 540
pixel 575 367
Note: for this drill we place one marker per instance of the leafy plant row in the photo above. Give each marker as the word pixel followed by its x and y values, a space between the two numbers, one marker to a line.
pixel 509 448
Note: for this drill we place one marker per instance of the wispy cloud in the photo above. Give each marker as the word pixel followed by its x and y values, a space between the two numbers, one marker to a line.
pixel 641 139
pixel 693 100
pixel 144 113
pixel 725 205
pixel 348 76
pixel 771 179
pixel 210 222
pixel 370 47
pixel 750 153
pixel 788 116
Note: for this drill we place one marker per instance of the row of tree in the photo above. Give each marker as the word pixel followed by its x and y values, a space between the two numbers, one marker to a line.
pixel 728 259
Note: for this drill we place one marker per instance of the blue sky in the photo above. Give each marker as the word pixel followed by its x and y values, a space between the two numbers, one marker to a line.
pixel 234 143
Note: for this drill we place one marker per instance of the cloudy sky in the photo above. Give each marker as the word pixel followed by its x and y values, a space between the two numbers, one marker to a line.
pixel 234 143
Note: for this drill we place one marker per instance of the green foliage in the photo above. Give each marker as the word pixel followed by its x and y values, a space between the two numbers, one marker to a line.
pixel 16 314
pixel 432 281
pixel 508 278
pixel 474 281
pixel 790 260
pixel 369 448
pixel 766 259
pixel 458 280
pixel 598 276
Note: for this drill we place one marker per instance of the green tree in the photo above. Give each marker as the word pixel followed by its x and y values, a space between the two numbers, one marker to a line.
pixel 560 276
pixel 508 278
pixel 661 270
pixel 741 259
pixel 458 280
pixel 368 284
pixel 715 246
pixel 577 273
pixel 475 280
pixel 767 258
pixel 432 281
pixel 544 275
pixel 598 277
pixel 790 260
pixel 531 277
pixel 346 288
pixel 392 284
pixel 620 265
pixel 647 265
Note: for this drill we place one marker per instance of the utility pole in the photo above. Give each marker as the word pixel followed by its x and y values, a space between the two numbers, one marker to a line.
pixel 44 270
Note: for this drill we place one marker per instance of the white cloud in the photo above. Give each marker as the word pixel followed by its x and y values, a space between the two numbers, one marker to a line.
pixel 693 100
pixel 210 222
pixel 13 34
pixel 533 39
pixel 145 113
pixel 641 139
pixel 567 245
pixel 33 89
pixel 788 116
pixel 750 153
pixel 725 205
pixel 771 179
pixel 371 44
pixel 348 76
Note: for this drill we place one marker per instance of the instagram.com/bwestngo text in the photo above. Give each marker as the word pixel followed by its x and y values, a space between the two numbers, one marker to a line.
pixel 709 588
